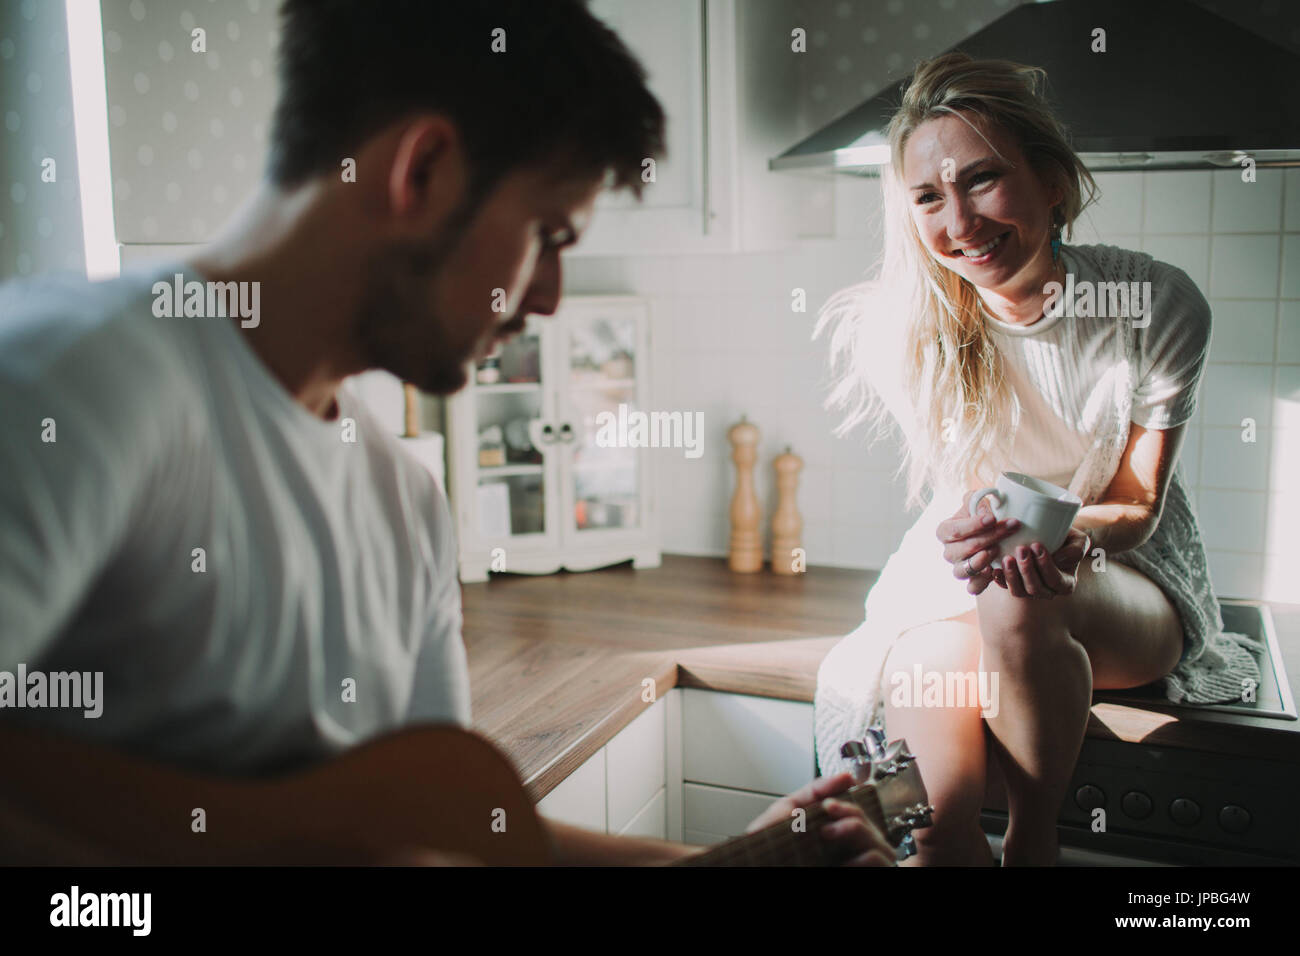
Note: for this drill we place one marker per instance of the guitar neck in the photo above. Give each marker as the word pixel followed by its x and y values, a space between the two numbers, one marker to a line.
pixel 793 842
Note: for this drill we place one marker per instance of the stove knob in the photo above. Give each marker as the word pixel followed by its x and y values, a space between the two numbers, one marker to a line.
pixel 1136 805
pixel 1234 819
pixel 1089 797
pixel 1184 811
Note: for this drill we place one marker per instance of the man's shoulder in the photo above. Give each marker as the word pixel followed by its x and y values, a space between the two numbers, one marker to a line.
pixel 386 446
pixel 53 318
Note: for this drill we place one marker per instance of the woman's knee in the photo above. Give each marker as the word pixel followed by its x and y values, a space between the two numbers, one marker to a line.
pixel 937 646
pixel 1025 630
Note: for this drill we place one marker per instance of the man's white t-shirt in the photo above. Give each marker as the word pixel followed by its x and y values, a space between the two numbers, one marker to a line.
pixel 258 591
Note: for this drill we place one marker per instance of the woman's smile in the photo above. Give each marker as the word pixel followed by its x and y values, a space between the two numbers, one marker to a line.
pixel 982 253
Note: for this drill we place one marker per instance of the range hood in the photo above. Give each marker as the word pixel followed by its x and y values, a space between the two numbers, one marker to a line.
pixel 1177 88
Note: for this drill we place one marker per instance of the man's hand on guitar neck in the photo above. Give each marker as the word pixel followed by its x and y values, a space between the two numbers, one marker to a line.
pixel 851 836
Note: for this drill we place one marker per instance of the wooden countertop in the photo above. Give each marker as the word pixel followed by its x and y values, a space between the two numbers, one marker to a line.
pixel 558 662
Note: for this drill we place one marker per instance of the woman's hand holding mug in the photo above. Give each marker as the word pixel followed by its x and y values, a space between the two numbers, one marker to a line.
pixel 1033 572
pixel 1047 512
pixel 971 542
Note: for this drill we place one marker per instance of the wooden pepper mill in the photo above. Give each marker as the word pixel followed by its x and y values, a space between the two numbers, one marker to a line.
pixel 412 416
pixel 787 525
pixel 746 553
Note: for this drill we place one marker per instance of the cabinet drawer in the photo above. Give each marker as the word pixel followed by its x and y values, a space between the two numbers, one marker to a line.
pixel 717 810
pixel 749 743
pixel 651 821
pixel 580 798
pixel 634 766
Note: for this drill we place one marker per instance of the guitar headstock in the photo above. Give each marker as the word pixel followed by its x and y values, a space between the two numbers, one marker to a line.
pixel 890 781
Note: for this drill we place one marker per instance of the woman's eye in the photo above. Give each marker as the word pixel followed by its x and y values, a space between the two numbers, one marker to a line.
pixel 925 198
pixel 978 176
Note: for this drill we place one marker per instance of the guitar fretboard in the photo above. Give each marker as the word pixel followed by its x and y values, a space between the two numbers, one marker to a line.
pixel 789 842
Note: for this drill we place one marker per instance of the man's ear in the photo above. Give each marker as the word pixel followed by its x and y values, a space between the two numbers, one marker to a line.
pixel 426 173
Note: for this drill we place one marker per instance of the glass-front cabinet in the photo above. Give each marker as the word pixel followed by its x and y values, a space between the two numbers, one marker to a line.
pixel 548 445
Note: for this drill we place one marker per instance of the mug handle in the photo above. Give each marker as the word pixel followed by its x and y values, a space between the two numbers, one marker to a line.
pixel 975 499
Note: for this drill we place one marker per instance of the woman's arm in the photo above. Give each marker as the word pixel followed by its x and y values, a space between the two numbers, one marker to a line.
pixel 1130 509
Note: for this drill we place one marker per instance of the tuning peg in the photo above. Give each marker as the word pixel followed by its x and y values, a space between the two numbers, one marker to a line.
pixel 856 753
pixel 875 741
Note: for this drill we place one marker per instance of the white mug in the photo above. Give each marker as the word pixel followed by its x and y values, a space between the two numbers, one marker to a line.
pixel 1045 511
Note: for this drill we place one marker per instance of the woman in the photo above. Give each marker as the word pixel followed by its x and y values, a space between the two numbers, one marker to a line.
pixel 963 341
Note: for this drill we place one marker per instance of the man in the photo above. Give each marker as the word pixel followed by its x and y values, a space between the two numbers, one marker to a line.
pixel 199 507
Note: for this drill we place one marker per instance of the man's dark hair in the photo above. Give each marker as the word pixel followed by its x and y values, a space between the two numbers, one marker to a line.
pixel 566 89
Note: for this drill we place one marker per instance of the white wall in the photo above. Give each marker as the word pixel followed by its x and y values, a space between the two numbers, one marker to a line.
pixel 40 221
pixel 187 130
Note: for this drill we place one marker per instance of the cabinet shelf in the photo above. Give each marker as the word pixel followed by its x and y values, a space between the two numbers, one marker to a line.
pixel 602 384
pixel 506 388
pixel 506 471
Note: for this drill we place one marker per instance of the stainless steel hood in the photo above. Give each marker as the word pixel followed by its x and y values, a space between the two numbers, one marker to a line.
pixel 1178 88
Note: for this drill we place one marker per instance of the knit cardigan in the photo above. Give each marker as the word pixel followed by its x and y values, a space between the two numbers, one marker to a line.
pixel 1215 665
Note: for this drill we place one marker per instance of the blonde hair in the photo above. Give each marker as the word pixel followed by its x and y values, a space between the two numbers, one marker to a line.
pixel 942 379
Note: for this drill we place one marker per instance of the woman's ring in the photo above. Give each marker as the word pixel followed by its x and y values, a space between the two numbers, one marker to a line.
pixel 970 573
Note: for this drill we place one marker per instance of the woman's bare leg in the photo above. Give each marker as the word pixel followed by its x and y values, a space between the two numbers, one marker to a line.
pixel 1045 652
pixel 947 740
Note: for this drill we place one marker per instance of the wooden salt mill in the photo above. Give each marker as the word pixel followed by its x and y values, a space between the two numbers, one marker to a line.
pixel 412 416
pixel 746 553
pixel 787 526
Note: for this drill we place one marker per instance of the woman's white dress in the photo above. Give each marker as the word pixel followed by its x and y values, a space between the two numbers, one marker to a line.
pixel 1079 382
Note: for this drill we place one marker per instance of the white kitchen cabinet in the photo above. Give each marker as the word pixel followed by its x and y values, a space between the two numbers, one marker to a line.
pixel 718 813
pixel 697 766
pixel 580 797
pixel 622 787
pixel 544 472
pixel 746 743
pixel 650 819
pixel 634 768
pixel 688 49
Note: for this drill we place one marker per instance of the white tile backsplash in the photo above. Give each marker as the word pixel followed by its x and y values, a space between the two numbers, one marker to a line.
pixel 1235 575
pixel 1232 520
pixel 1244 330
pixel 1288 331
pixel 1247 207
pixel 1120 208
pixel 1177 202
pixel 1291 267
pixel 1229 462
pixel 1291 213
pixel 1244 267
pixel 1283 525
pixel 1231 393
pixel 1286 402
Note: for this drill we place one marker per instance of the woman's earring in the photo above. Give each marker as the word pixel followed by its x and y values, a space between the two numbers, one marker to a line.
pixel 1056 244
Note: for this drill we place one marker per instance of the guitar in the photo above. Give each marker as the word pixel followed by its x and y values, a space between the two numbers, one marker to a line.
pixel 889 791
pixel 433 788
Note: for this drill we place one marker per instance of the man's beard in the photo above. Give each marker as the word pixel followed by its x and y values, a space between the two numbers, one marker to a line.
pixel 396 328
